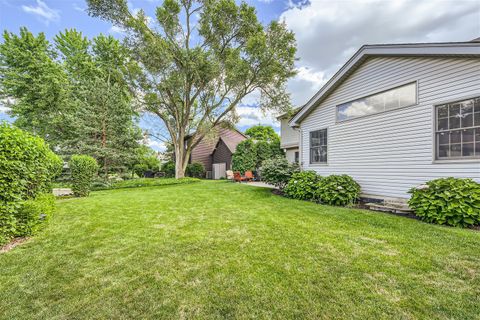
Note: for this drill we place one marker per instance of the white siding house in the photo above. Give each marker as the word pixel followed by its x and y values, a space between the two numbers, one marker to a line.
pixel 396 116
pixel 289 139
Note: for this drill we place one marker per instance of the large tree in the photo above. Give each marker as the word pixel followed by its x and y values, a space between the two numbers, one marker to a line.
pixel 36 83
pixel 199 59
pixel 75 93
pixel 99 71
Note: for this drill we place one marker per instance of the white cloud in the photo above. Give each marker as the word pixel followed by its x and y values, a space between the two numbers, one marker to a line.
pixel 116 29
pixel 252 115
pixel 329 32
pixel 78 8
pixel 156 145
pixel 4 109
pixel 43 11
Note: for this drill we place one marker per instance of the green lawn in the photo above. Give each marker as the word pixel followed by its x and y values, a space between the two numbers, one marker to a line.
pixel 222 250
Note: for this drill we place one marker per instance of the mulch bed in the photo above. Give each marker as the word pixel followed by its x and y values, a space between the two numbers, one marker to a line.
pixel 12 244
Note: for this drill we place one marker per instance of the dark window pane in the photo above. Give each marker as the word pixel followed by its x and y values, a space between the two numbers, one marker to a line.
pixel 314 138
pixel 467 106
pixel 477 135
pixel 324 142
pixel 476 107
pixel 442 112
pixel 314 155
pixel 443 151
pixel 467 149
pixel 477 149
pixel 476 115
pixel 467 135
pixel 442 124
pixel 455 110
pixel 467 120
pixel 455 150
pixel 323 154
pixel 454 122
pixel 456 136
pixel 442 138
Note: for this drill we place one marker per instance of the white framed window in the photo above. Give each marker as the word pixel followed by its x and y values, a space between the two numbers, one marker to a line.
pixel 457 130
pixel 318 146
pixel 399 97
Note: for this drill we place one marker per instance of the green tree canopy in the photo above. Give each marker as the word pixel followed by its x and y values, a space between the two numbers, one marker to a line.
pixel 262 133
pixel 199 60
pixel 76 94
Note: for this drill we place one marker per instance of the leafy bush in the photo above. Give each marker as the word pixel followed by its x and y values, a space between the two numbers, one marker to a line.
pixel 450 201
pixel 27 169
pixel 277 171
pixel 145 182
pixel 302 185
pixel 195 170
pixel 32 213
pixel 245 157
pixel 84 169
pixel 140 169
pixel 250 153
pixel 169 169
pixel 338 190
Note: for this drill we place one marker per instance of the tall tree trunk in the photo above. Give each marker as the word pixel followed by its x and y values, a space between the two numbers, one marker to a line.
pixel 179 158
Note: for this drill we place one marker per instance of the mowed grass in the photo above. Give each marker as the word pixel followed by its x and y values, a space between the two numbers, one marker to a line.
pixel 218 250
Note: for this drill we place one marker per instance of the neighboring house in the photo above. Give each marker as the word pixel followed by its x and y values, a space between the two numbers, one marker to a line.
pixel 217 150
pixel 395 116
pixel 289 138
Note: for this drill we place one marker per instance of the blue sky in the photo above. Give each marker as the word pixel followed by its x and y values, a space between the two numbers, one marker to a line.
pixel 328 32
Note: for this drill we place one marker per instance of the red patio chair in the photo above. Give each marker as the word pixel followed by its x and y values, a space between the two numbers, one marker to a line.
pixel 248 175
pixel 238 177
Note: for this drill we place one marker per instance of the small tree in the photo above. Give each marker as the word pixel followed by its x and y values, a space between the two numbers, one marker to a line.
pixel 84 169
pixel 245 156
pixel 263 144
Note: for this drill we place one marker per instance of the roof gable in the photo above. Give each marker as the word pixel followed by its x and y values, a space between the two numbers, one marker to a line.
pixel 453 49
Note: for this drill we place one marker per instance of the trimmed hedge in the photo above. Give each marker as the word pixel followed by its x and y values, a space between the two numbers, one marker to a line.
pixel 146 182
pixel 84 169
pixel 338 190
pixel 27 169
pixel 33 213
pixel 302 186
pixel 448 201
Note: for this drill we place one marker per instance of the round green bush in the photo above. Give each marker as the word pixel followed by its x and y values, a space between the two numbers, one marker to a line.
pixel 303 185
pixel 277 171
pixel 338 190
pixel 140 169
pixel 449 201
pixel 84 169
pixel 195 170
pixel 27 169
pixel 169 169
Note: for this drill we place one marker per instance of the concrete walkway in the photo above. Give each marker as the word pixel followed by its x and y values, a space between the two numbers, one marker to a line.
pixel 57 192
pixel 259 184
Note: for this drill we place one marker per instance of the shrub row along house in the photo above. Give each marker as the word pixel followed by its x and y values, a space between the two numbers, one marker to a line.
pixel 393 117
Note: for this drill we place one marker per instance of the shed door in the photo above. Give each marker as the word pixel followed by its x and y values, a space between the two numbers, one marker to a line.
pixel 219 170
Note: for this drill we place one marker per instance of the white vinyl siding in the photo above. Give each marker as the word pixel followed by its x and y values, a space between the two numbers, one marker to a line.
pixel 288 136
pixel 390 152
